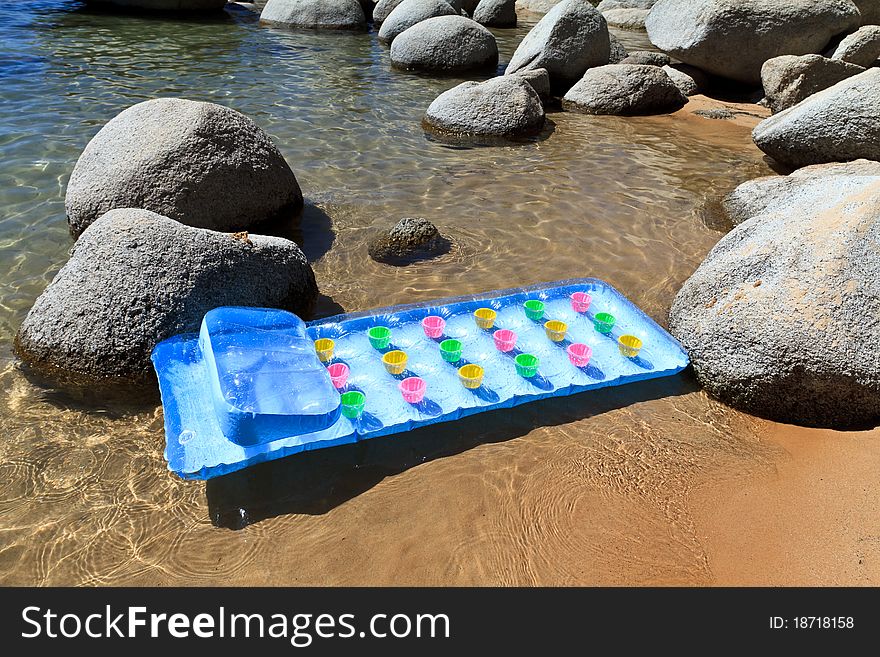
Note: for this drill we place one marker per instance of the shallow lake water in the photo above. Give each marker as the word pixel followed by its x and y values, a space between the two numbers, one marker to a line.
pixel 586 489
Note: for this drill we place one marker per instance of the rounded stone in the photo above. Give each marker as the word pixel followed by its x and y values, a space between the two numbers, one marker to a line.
pixel 315 14
pixel 445 44
pixel 199 163
pixel 135 278
pixel 624 89
pixel 507 106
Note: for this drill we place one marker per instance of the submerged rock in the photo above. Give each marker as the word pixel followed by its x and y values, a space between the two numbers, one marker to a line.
pixel 411 239
pixel 862 47
pixel 135 278
pixel 782 319
pixel 732 38
pixel 507 106
pixel 199 163
pixel 624 89
pixel 496 13
pixel 315 14
pixel 445 44
pixel 788 79
pixel 411 12
pixel 571 38
pixel 835 125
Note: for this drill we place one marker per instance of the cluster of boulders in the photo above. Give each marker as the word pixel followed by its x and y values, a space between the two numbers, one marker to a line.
pixel 394 16
pixel 569 53
pixel 782 319
pixel 160 202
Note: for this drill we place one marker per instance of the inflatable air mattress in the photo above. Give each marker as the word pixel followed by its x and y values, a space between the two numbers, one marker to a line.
pixel 259 384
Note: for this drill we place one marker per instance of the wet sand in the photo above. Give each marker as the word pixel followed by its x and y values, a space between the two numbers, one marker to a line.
pixel 813 519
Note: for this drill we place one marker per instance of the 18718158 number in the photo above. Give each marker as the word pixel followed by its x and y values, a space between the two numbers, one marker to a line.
pixel 823 622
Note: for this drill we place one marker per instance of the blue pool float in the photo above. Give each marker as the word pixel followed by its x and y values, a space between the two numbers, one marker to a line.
pixel 258 384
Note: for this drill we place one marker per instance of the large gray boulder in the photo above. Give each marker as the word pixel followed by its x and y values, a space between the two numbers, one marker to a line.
pixel 870 10
pixel 862 47
pixel 788 79
pixel 446 45
pixel 624 89
pixel 835 125
pixel 135 278
pixel 571 38
pixel 410 12
pixel 163 5
pixel 626 18
pixel 199 163
pixel 782 319
pixel 315 14
pixel 755 196
pixel 496 13
pixel 506 106
pixel 733 38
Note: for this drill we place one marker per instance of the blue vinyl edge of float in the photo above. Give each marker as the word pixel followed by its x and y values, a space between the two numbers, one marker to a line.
pixel 197 449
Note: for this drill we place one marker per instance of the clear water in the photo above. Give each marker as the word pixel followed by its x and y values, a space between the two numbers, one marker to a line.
pixel 574 490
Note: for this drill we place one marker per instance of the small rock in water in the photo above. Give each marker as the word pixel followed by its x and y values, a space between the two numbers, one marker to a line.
pixel 410 240
pixel 715 113
pixel 382 10
pixel 539 80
